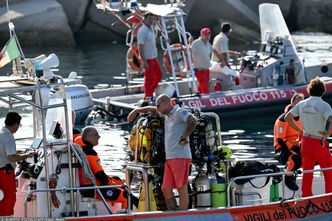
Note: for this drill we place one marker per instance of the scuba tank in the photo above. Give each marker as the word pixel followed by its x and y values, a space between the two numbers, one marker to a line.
pixel 218 191
pixel 141 203
pixel 203 191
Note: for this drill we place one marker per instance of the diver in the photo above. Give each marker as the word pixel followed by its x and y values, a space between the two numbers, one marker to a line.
pixel 287 143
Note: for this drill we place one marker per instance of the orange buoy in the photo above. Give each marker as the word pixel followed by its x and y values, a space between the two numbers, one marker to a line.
pixel 133 59
pixel 178 60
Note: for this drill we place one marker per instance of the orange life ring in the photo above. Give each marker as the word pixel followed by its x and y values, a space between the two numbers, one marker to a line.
pixel 133 59
pixel 177 57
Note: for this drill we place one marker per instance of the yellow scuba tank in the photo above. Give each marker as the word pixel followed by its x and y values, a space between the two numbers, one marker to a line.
pixel 141 203
pixel 144 136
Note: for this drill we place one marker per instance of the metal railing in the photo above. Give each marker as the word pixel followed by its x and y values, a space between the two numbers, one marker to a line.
pixel 283 174
pixel 72 189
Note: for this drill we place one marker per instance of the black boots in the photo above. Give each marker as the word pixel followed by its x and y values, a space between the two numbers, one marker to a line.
pixel 290 182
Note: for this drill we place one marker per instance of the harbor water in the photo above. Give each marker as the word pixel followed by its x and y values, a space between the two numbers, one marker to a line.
pixel 99 64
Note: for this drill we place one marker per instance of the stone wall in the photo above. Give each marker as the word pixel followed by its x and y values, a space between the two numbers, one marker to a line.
pixel 46 22
pixel 312 15
pixel 37 23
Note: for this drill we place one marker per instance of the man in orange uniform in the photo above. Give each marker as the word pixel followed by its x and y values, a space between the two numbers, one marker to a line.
pixel 286 143
pixel 88 141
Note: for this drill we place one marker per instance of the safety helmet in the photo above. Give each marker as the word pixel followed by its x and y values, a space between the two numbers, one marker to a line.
pixel 226 152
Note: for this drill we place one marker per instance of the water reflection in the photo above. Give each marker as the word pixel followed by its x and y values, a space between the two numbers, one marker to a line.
pixel 113 146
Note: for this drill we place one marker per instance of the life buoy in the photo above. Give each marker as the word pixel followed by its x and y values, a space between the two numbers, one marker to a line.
pixel 178 60
pixel 133 59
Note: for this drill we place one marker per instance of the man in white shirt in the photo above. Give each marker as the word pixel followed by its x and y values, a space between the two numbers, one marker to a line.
pixel 220 46
pixel 8 158
pixel 146 39
pixel 201 51
pixel 314 113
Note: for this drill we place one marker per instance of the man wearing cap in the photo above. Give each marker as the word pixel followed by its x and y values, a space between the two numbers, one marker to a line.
pixel 201 50
pixel 147 49
pixel 221 50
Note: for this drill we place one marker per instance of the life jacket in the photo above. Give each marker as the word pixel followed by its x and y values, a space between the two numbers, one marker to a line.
pixel 143 137
pixel 202 140
pixel 284 131
pixel 94 163
pixel 76 133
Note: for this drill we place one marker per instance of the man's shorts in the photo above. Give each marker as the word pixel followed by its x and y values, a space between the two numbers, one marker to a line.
pixel 176 173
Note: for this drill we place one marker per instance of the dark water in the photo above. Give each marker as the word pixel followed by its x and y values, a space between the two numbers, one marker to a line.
pixel 100 63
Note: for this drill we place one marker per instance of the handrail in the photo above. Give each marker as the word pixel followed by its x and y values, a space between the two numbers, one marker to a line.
pixel 66 189
pixel 92 180
pixel 266 175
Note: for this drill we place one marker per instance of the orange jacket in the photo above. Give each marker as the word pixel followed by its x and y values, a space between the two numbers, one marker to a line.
pixel 95 165
pixel 118 194
pixel 284 131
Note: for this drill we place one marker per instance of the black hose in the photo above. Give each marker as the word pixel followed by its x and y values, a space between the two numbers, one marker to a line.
pixel 110 114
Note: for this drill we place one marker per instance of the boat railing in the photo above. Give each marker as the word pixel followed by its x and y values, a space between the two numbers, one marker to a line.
pixel 81 158
pixel 70 189
pixel 283 174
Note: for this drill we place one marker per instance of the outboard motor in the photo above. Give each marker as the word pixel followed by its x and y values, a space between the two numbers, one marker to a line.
pixel 203 191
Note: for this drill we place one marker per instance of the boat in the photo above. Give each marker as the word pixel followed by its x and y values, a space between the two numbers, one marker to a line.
pixel 48 186
pixel 263 85
pixel 31 70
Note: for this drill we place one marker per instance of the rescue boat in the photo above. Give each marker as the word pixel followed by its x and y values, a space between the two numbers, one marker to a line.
pixel 48 185
pixel 264 83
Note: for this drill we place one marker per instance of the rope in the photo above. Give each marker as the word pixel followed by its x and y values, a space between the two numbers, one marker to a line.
pixel 52 184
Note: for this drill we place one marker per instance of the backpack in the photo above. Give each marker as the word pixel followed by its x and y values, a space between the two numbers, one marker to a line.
pixel 245 168
pixel 202 140
pixel 145 137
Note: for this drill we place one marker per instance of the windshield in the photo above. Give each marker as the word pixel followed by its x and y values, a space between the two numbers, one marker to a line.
pixel 272 22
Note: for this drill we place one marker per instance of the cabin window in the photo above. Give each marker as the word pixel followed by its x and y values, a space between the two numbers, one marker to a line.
pixel 267 48
pixel 289 51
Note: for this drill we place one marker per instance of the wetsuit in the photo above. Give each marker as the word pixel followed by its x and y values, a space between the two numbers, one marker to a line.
pixel 287 147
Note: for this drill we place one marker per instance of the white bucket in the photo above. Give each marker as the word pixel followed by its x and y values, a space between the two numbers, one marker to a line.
pixel 254 193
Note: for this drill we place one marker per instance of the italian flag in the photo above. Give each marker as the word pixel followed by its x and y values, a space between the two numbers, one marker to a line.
pixel 9 52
